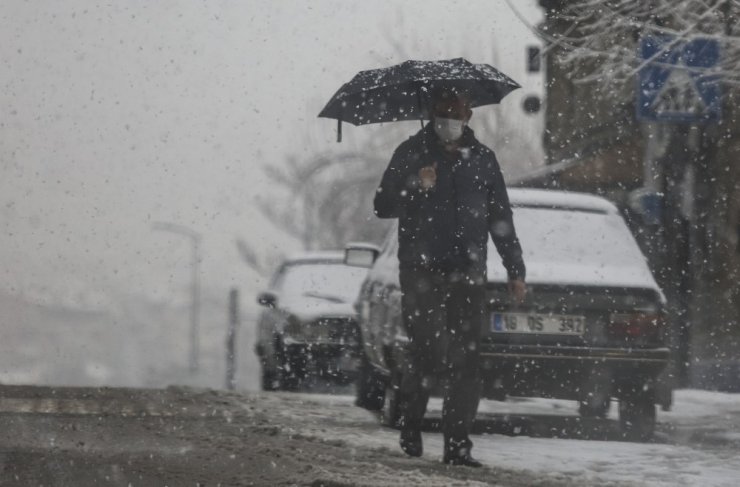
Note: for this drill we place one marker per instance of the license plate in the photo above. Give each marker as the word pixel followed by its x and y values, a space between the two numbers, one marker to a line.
pixel 537 323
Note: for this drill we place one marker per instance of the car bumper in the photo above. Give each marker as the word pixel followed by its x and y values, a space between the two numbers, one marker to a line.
pixel 566 372
pixel 655 356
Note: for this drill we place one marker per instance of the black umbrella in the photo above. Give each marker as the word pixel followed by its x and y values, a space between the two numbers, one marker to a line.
pixel 399 92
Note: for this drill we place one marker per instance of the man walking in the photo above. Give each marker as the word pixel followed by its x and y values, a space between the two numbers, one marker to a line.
pixel 448 193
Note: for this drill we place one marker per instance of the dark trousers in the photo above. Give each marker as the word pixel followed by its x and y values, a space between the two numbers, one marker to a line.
pixel 443 315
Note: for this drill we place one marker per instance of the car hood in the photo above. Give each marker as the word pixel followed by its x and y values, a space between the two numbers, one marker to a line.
pixel 309 308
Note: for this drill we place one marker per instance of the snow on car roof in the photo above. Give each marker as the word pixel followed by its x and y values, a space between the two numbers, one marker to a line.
pixel 315 255
pixel 559 199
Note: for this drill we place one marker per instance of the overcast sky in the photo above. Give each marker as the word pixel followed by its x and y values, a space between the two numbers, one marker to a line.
pixel 118 114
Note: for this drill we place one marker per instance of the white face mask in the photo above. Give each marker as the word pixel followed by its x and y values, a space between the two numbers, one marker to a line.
pixel 448 129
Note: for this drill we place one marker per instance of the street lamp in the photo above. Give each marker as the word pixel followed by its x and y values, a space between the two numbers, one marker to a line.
pixel 195 238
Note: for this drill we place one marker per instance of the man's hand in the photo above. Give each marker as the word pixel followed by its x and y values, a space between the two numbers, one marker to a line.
pixel 428 176
pixel 517 291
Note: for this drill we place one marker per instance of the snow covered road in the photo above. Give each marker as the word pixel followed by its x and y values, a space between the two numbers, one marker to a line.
pixel 186 437
pixel 697 443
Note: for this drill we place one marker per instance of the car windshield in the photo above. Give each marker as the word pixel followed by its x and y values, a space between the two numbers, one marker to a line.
pixel 330 281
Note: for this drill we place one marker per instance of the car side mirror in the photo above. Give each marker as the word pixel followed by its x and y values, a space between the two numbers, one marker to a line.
pixel 267 299
pixel 359 254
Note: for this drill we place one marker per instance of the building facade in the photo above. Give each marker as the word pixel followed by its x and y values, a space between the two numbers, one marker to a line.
pixel 677 183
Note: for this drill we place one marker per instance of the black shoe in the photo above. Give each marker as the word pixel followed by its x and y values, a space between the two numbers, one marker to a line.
pixel 465 460
pixel 458 453
pixel 411 442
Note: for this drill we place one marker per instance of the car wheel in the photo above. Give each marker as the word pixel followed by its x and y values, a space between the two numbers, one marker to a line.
pixel 637 416
pixel 269 379
pixel 329 372
pixel 287 377
pixel 595 392
pixel 594 407
pixel 268 375
pixel 344 378
pixel 392 404
pixel 369 387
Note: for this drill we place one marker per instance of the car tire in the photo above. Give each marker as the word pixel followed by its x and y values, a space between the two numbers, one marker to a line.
pixel 343 379
pixel 268 375
pixel 637 416
pixel 391 416
pixel 369 386
pixel 287 379
pixel 269 379
pixel 594 408
pixel 595 394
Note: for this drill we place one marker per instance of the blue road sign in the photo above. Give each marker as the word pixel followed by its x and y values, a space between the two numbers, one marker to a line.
pixel 679 83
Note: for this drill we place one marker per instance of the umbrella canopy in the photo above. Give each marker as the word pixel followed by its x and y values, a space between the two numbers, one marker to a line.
pixel 401 92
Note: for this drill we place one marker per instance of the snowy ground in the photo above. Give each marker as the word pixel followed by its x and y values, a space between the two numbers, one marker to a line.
pixel 188 437
pixel 528 442
pixel 697 443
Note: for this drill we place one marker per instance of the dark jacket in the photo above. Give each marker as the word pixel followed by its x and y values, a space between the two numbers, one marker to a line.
pixel 446 228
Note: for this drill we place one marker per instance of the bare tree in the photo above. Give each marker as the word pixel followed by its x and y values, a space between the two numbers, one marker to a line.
pixel 325 200
pixel 594 46
pixel 603 35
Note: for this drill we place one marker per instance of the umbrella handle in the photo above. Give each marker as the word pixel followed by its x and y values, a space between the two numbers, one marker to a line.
pixel 339 130
pixel 421 106
pixel 421 114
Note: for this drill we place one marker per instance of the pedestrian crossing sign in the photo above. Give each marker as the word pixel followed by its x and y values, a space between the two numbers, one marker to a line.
pixel 678 80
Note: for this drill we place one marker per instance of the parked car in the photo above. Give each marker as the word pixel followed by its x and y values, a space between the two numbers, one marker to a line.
pixel 592 327
pixel 308 327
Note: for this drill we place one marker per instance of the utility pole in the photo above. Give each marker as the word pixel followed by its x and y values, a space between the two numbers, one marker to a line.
pixel 675 276
pixel 231 339
pixel 195 239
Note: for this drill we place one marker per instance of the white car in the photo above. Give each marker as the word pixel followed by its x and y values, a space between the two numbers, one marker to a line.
pixel 591 329
pixel 308 327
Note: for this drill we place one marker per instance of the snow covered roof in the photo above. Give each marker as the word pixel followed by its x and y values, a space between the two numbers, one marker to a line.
pixel 560 199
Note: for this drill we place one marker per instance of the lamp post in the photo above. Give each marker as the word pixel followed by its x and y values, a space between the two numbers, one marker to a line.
pixel 195 238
